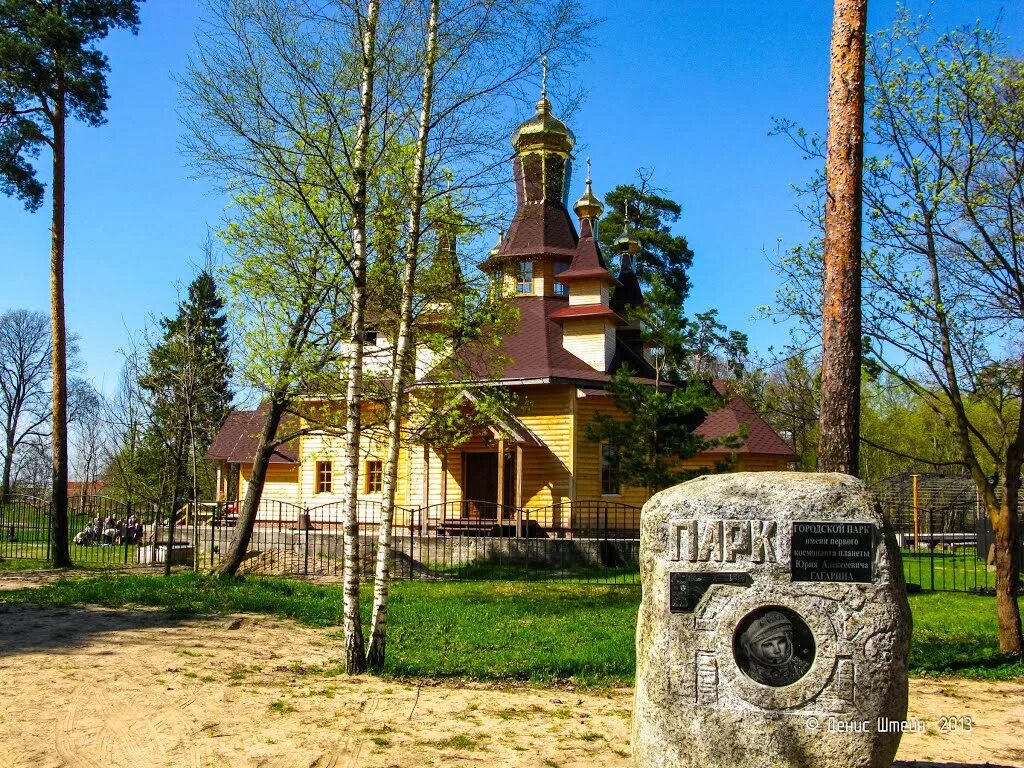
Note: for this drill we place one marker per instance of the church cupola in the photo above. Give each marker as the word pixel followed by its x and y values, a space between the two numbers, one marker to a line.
pixel 628 293
pixel 541 233
pixel 543 144
pixel 588 321
pixel 589 209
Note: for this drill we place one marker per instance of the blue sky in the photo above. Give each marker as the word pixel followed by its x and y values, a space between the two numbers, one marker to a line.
pixel 686 87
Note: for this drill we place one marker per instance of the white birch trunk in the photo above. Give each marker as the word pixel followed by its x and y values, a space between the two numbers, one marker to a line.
pixel 355 661
pixel 403 346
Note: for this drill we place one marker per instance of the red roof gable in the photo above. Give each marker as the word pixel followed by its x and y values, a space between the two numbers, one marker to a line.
pixel 729 420
pixel 237 440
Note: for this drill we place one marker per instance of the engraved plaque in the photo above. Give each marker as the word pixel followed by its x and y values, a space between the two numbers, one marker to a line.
pixel 841 552
pixel 685 589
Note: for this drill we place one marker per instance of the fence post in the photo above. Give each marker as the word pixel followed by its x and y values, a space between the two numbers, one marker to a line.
pixel 305 526
pixel 931 558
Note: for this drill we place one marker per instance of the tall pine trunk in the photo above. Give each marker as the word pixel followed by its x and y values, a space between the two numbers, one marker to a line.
pixel 60 551
pixel 403 347
pixel 838 444
pixel 355 660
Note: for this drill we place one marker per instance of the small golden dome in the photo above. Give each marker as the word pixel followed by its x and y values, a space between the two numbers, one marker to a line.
pixel 626 242
pixel 589 206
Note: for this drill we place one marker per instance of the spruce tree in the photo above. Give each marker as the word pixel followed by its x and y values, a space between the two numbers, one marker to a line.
pixel 188 386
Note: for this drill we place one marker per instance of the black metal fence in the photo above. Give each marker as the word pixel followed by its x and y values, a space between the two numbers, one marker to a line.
pixel 944 549
pixel 948 549
pixel 593 541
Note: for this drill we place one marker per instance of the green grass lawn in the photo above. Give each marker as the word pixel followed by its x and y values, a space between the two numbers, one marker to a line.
pixel 511 630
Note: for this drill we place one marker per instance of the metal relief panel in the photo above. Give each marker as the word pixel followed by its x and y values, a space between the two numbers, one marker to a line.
pixel 845 683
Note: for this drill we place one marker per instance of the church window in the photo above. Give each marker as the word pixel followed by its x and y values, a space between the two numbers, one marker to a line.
pixel 323 477
pixel 561 289
pixel 524 277
pixel 374 476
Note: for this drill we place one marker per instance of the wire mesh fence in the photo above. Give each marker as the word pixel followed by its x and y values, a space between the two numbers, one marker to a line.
pixel 943 530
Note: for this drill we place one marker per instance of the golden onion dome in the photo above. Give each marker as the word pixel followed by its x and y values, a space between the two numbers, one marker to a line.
pixel 589 206
pixel 543 131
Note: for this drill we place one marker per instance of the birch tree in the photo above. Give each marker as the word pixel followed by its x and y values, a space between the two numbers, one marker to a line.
pixel 310 114
pixel 474 54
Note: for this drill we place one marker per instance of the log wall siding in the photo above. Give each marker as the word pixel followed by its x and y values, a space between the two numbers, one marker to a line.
pixel 281 483
pixel 590 339
pixel 373 447
pixel 566 467
pixel 547 469
pixel 589 292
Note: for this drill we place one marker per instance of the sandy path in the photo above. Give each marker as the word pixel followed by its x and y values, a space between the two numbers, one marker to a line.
pixel 85 688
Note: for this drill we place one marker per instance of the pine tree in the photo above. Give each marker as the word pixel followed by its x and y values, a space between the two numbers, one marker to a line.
pixel 650 216
pixel 48 71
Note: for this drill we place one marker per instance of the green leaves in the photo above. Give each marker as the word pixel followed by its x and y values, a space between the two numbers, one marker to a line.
pixel 654 429
pixel 650 217
pixel 47 64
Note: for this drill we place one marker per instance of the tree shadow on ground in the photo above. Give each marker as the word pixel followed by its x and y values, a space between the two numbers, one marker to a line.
pixel 930 764
pixel 26 628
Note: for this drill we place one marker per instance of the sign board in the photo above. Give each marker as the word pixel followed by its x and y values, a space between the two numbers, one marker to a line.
pixel 832 552
pixel 685 589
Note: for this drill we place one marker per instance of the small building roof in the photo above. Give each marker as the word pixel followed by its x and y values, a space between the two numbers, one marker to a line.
pixel 586 310
pixel 238 439
pixel 737 414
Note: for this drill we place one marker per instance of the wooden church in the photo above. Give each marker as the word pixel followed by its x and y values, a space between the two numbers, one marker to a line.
pixel 572 335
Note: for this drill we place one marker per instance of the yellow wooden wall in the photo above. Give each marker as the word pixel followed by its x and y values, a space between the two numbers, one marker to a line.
pixel 588 455
pixel 547 470
pixel 588 292
pixel 567 466
pixel 590 339
pixel 281 483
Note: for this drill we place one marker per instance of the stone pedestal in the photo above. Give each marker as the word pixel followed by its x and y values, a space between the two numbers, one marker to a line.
pixel 774 627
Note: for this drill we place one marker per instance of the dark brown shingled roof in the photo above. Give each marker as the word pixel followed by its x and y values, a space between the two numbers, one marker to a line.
pixel 540 230
pixel 586 310
pixel 534 349
pixel 237 440
pixel 628 293
pixel 588 261
pixel 761 438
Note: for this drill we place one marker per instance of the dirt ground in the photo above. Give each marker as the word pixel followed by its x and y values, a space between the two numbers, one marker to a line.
pixel 90 687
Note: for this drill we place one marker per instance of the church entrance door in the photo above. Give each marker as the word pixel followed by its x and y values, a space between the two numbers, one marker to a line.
pixel 480 484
